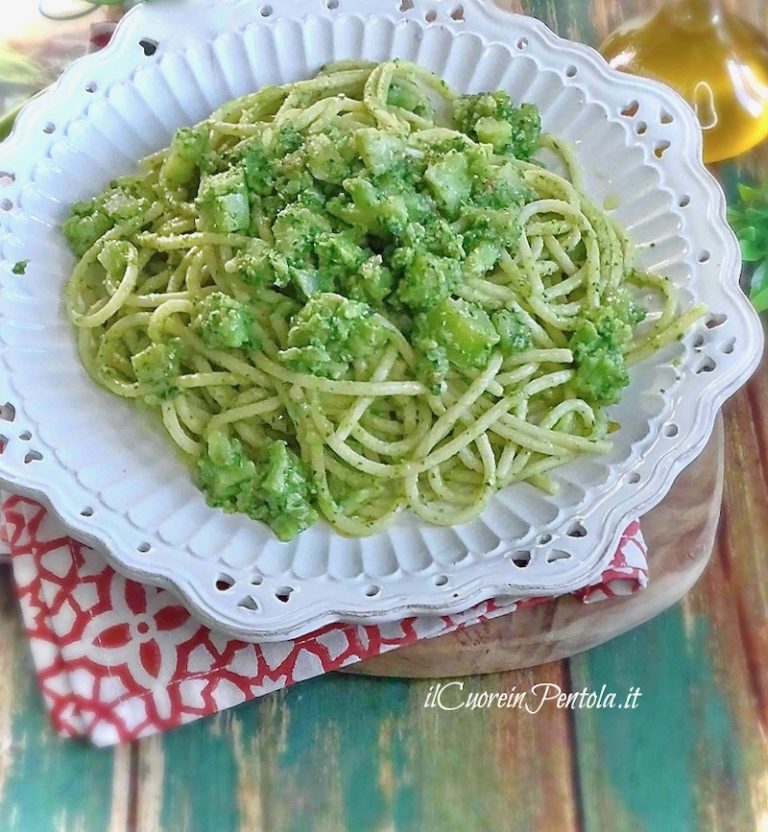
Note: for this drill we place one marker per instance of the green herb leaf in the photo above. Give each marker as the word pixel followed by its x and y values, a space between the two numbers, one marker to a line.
pixel 20 267
pixel 749 219
pixel 758 292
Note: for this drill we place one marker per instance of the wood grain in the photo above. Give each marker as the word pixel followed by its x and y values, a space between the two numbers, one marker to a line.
pixel 680 533
pixel 701 668
pixel 48 784
pixel 360 754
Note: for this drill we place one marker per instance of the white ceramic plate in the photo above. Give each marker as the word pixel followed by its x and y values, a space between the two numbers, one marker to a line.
pixel 116 481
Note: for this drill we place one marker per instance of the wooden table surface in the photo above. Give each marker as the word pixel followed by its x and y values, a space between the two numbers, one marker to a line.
pixel 348 753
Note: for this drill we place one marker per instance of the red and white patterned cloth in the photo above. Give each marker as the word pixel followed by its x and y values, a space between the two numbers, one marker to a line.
pixel 117 660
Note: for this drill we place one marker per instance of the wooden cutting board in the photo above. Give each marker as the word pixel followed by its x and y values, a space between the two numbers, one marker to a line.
pixel 680 533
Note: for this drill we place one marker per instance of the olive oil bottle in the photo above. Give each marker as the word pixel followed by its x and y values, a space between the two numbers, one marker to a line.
pixel 716 60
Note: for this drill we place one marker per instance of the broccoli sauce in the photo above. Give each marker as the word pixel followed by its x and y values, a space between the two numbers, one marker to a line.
pixel 311 286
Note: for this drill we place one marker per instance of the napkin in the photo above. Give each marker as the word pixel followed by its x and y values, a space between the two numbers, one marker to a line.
pixel 117 660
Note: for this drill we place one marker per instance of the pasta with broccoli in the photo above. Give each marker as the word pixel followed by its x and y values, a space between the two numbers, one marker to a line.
pixel 362 293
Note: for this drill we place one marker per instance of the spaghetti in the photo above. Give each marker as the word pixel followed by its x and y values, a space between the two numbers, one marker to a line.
pixel 358 294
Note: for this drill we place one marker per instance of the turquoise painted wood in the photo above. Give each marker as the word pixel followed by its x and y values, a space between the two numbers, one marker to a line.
pixel 333 754
pixel 47 784
pixel 350 753
pixel 684 723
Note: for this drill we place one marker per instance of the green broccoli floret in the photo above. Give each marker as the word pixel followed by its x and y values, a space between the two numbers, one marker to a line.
pixel 223 471
pixel 158 366
pixel 598 352
pixel 463 330
pixel 450 181
pixel 308 281
pixel 329 334
pixel 275 489
pixel 296 229
pixel 379 151
pixel 312 198
pixel 340 255
pixel 404 181
pixel 125 201
pixel 254 264
pixel 286 491
pixel 89 222
pixel 372 283
pixel 294 184
pixel 501 189
pixel 325 161
pixel 601 372
pixel 427 280
pixel 347 264
pixel 514 335
pixel 488 234
pixel 258 168
pixel 384 204
pixel 286 141
pixel 182 164
pixel 225 323
pixel 222 202
pixel 483 255
pixel 436 236
pixel 344 262
pixel 374 210
pixel 493 119
pixel 404 175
